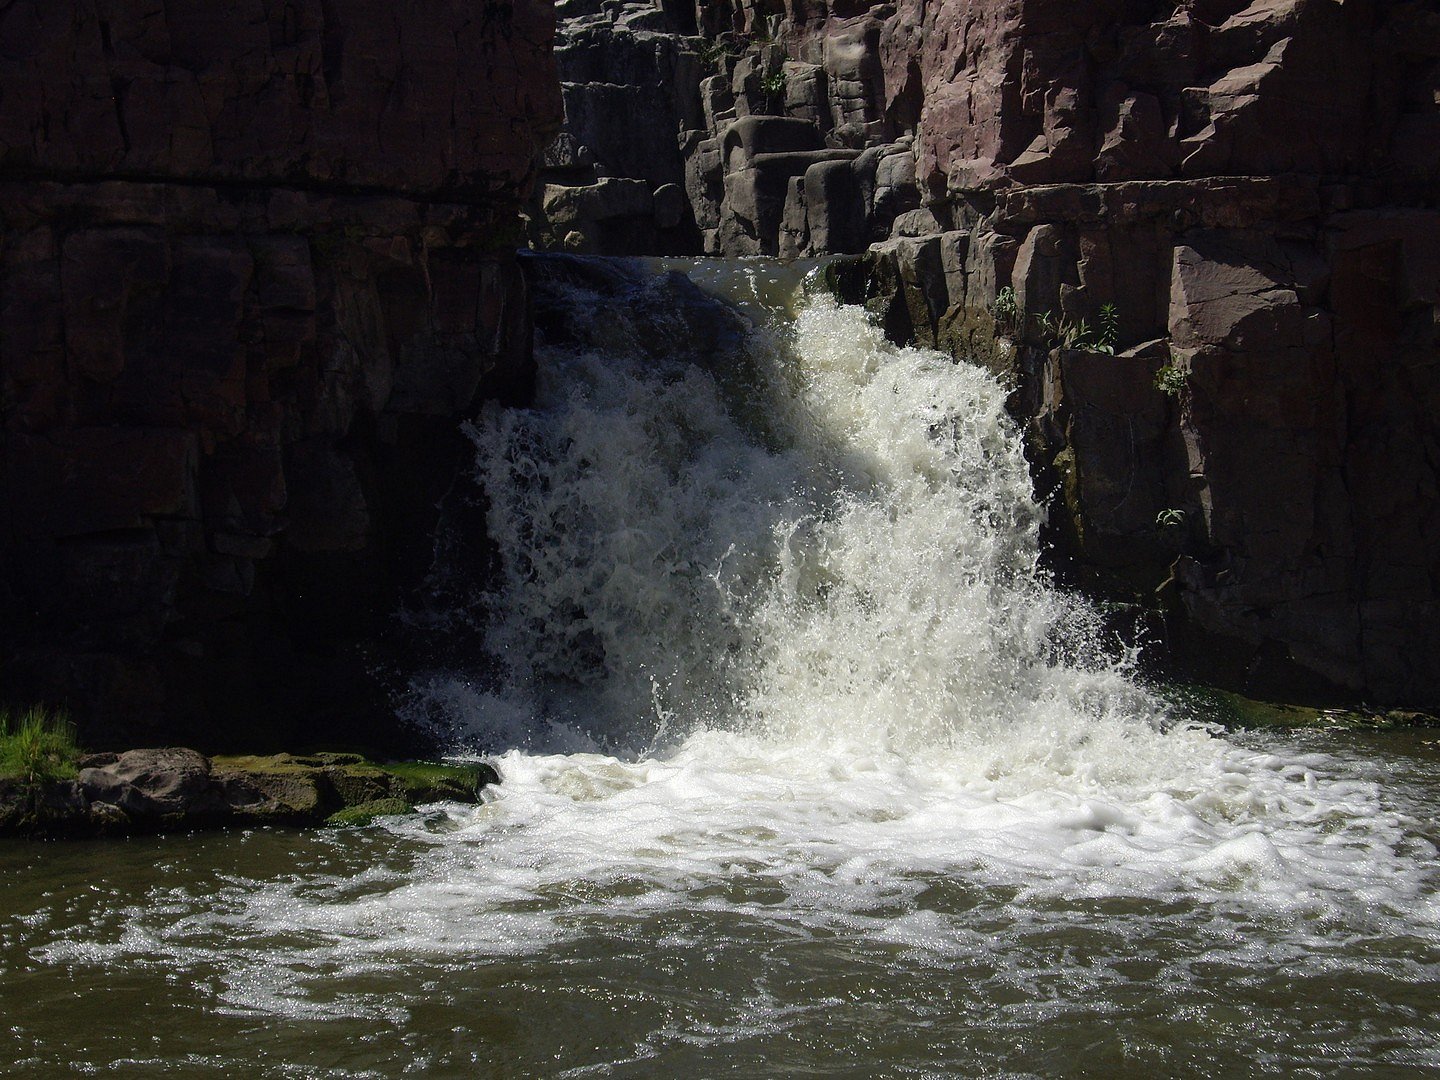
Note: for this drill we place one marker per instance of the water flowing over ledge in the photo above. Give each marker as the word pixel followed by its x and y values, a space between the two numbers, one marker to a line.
pixel 804 761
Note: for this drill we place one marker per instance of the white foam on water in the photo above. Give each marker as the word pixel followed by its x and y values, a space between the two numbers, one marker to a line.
pixel 787 624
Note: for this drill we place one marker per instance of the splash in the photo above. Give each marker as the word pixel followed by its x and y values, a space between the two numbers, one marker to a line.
pixel 773 668
pixel 810 535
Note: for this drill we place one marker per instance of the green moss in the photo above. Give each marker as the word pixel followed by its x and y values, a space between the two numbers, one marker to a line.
pixel 974 334
pixel 351 780
pixel 366 813
pixel 426 781
pixel 297 764
pixel 1235 710
pixel 37 745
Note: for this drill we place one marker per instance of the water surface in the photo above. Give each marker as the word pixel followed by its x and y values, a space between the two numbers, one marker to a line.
pixel 808 770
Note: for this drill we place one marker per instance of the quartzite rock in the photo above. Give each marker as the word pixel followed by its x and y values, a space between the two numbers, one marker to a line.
pixel 1248 191
pixel 257 263
pixel 174 789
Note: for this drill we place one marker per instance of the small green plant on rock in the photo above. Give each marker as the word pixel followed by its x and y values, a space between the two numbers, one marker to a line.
pixel 1170 380
pixel 774 85
pixel 1107 335
pixel 1170 519
pixel 1074 335
pixel 37 745
pixel 1005 310
pixel 1058 331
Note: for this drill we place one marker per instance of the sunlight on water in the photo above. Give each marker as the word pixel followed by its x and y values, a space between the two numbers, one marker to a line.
pixel 788 598
pixel 779 670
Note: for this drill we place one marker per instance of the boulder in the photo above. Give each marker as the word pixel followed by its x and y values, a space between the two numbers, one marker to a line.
pixel 152 784
pixel 176 789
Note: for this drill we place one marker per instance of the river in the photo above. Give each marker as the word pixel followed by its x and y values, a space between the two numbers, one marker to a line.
pixel 808 769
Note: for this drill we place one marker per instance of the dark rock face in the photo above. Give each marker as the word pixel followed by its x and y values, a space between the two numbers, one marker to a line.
pixel 352 93
pixel 257 264
pixel 1247 191
pixel 612 178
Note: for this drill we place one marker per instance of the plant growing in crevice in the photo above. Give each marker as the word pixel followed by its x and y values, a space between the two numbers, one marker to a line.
pixel 1074 335
pixel 773 86
pixel 1170 380
pixel 1005 310
pixel 1107 334
pixel 1170 519
pixel 1057 331
pixel 1063 332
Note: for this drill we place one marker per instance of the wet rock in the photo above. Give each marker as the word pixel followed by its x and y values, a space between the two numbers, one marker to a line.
pixel 366 813
pixel 176 789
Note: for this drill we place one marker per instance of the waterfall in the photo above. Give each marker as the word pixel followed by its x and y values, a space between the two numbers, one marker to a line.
pixel 784 705
pixel 745 544
pixel 790 528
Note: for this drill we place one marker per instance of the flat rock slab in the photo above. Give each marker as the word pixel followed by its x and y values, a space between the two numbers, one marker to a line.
pixel 174 789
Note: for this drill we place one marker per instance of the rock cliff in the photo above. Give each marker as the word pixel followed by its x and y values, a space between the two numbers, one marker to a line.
pixel 256 261
pixel 1199 237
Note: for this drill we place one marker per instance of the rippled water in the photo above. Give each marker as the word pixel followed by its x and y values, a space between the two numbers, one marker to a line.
pixel 716 915
pixel 807 770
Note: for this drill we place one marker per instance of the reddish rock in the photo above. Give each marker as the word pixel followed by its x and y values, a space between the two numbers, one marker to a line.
pixel 351 93
pixel 1252 187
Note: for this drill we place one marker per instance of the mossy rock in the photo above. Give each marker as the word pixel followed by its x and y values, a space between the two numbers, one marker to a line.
pixel 970 333
pixel 320 785
pixel 250 790
pixel 1235 710
pixel 424 781
pixel 366 813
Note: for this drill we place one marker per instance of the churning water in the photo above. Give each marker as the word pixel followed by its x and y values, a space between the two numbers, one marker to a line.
pixel 807 769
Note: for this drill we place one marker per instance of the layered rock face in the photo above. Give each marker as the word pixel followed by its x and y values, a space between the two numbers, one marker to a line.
pixel 612 180
pixel 1201 239
pixel 257 262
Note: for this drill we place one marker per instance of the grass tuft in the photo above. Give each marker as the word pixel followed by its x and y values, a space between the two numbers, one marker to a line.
pixel 37 745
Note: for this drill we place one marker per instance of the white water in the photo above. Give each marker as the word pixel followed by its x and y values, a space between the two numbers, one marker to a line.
pixel 782 617
pixel 777 655
pixel 799 597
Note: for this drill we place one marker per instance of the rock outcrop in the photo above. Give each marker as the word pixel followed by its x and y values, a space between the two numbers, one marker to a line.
pixel 612 181
pixel 1199 237
pixel 176 789
pixel 256 262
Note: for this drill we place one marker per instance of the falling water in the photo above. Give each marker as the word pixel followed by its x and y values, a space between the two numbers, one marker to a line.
pixel 808 764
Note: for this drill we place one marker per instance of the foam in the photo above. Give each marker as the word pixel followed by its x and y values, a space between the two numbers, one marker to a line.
pixel 790 662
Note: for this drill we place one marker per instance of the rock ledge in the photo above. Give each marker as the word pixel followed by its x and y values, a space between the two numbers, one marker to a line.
pixel 174 789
